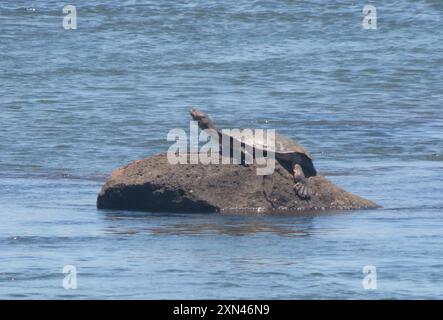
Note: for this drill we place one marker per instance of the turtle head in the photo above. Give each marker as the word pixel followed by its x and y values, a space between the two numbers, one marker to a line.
pixel 204 122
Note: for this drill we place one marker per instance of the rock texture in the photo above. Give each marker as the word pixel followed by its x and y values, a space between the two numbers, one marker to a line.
pixel 152 184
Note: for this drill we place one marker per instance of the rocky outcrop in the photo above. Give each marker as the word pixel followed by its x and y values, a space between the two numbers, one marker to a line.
pixel 152 184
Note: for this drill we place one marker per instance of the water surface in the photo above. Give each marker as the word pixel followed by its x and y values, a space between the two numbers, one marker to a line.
pixel 77 104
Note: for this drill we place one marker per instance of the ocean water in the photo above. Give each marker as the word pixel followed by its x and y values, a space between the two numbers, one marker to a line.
pixel 77 104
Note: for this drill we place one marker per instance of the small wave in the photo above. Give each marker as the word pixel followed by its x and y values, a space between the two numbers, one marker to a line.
pixel 422 207
pixel 12 240
pixel 54 175
pixel 432 157
pixel 33 275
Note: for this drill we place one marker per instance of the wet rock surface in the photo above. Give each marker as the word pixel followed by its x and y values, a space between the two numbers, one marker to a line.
pixel 152 184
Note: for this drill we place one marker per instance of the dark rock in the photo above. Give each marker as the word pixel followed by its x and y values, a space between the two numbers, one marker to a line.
pixel 152 184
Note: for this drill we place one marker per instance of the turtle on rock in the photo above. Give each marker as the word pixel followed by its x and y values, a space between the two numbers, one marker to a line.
pixel 288 152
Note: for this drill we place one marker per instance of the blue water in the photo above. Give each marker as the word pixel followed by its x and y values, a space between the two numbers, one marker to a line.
pixel 76 104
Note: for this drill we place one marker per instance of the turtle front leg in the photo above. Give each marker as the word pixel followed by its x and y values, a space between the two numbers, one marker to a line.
pixel 300 186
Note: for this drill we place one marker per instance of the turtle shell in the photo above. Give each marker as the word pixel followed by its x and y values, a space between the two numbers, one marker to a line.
pixel 283 145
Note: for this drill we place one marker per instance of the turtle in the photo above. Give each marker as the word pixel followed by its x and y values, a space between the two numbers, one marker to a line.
pixel 292 155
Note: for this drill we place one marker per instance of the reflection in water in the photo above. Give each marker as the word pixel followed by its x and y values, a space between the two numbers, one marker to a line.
pixel 230 229
pixel 207 224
